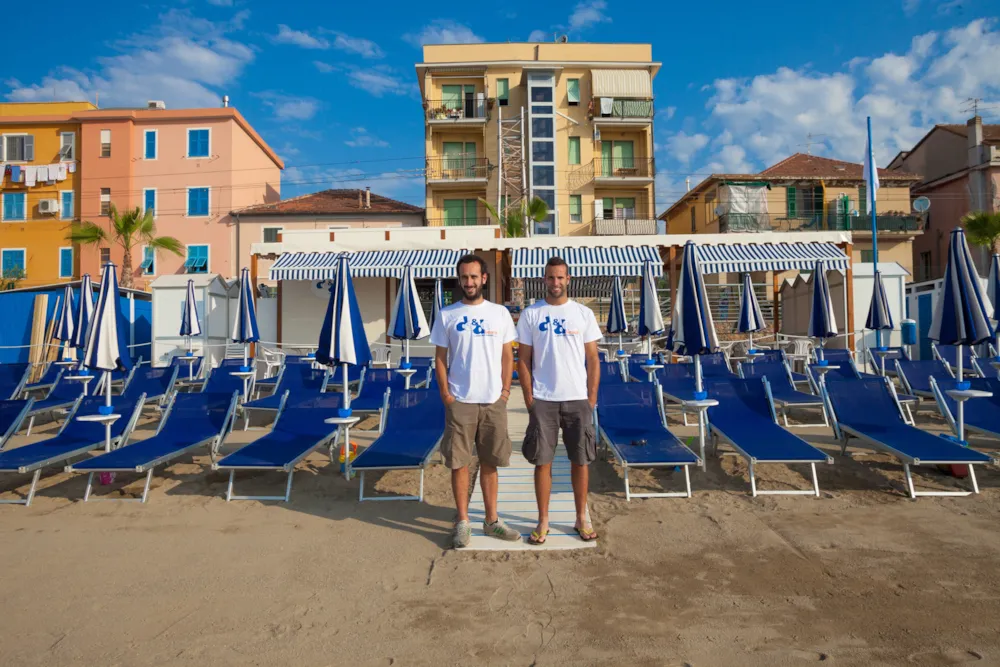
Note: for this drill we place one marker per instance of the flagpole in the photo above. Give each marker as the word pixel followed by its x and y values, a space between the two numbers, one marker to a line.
pixel 870 158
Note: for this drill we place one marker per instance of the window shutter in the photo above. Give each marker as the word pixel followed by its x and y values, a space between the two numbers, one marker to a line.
pixel 599 209
pixel 503 88
pixel 574 150
pixel 792 210
pixel 29 148
pixel 573 90
pixel 863 200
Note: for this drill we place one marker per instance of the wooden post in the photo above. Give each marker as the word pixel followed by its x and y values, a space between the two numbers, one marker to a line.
pixel 36 351
pixel 849 287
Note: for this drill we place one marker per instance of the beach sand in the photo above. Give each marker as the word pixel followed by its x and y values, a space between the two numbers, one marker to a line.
pixel 859 576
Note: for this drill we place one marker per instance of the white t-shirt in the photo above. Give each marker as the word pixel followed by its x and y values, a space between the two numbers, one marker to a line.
pixel 474 336
pixel 557 335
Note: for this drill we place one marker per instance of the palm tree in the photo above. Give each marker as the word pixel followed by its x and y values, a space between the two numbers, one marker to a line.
pixel 128 229
pixel 513 224
pixel 983 229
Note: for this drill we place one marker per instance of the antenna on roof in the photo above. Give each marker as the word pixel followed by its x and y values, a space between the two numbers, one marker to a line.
pixel 810 143
pixel 972 104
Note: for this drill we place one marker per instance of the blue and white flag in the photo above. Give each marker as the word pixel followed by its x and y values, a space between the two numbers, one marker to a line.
pixel 190 326
pixel 438 305
pixel 870 171
pixel 822 319
pixel 879 317
pixel 65 326
pixel 84 313
pixel 650 317
pixel 342 339
pixel 107 347
pixel 408 321
pixel 245 325
pixel 961 315
pixel 617 323
pixel 751 319
pixel 692 328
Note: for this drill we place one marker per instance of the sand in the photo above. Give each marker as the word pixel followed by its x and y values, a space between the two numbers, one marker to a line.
pixel 860 576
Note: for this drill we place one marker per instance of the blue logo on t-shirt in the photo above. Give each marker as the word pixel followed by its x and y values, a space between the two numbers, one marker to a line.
pixel 478 326
pixel 558 326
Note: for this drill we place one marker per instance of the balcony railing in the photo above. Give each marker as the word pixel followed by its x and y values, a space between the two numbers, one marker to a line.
pixel 624 167
pixel 744 222
pixel 467 109
pixel 618 108
pixel 624 226
pixel 883 223
pixel 459 222
pixel 457 168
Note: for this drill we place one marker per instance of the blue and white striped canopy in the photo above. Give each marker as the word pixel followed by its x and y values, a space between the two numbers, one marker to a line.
pixel 342 339
pixel 993 286
pixel 65 326
pixel 245 325
pixel 190 326
pixel 961 315
pixel 879 316
pixel 107 347
pixel 822 319
pixel 408 321
pixel 692 330
pixel 626 261
pixel 438 305
pixel 616 311
pixel 746 258
pixel 650 317
pixel 367 264
pixel 84 313
pixel 751 319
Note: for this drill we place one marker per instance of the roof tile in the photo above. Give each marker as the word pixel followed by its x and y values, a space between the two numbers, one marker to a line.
pixel 330 202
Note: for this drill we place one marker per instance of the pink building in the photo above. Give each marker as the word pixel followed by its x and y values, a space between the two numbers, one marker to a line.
pixel 190 166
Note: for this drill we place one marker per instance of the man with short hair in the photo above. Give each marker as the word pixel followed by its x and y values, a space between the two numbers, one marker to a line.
pixel 559 369
pixel 474 363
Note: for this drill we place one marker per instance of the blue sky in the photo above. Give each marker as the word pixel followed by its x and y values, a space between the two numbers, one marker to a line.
pixel 332 86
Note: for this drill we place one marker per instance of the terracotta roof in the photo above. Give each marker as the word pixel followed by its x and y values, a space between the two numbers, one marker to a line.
pixel 805 166
pixel 990 132
pixel 330 202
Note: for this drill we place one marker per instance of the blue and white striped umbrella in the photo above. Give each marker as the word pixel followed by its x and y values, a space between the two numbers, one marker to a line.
pixel 84 313
pixel 245 325
pixel 107 347
pixel 879 317
pixel 408 321
pixel 190 326
pixel 993 294
pixel 65 326
pixel 751 319
pixel 438 304
pixel 650 317
pixel 822 319
pixel 617 324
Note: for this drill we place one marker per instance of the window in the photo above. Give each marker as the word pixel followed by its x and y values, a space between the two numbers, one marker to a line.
pixel 197 259
pixel 18 147
pixel 791 206
pixel 12 261
pixel 541 94
pixel 271 234
pixel 105 257
pixel 14 206
pixel 543 151
pixel 543 176
pixel 65 262
pixel 67 146
pixel 66 209
pixel 575 208
pixel 541 128
pixel 694 224
pixel 573 91
pixel 105 201
pixel 924 267
pixel 503 91
pixel 149 200
pixel 197 202
pixel 459 212
pixel 148 265
pixel 149 144
pixel 105 143
pixel 620 208
pixel 198 143
pixel 574 150
pixel 867 256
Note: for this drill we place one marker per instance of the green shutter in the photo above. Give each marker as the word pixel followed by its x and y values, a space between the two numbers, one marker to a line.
pixel 451 97
pixel 573 90
pixel 606 158
pixel 862 200
pixel 503 89
pixel 792 210
pixel 454 212
pixel 575 208
pixel 623 153
pixel 453 155
pixel 470 211
pixel 574 150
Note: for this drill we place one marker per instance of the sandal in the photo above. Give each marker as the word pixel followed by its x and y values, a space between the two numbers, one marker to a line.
pixel 586 533
pixel 537 538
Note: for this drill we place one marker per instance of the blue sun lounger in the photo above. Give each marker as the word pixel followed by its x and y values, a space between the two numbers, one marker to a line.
pixel 746 420
pixel 62 395
pixel 189 421
pixel 630 421
pixel 848 371
pixel 867 410
pixel 184 375
pixel 51 375
pixel 74 439
pixel 222 381
pixel 611 373
pixel 13 378
pixel 372 396
pixel 981 415
pixel 414 426
pixel 677 385
pixel 915 376
pixel 783 391
pixel 845 359
pixel 156 384
pixel 716 364
pixel 12 415
pixel 297 431
pixel 780 357
pixel 949 355
pixel 300 381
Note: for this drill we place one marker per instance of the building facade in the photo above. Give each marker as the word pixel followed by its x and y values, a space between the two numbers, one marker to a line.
pixel 569 123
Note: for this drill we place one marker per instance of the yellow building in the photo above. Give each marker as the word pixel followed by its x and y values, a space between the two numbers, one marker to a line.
pixel 569 123
pixel 804 193
pixel 40 190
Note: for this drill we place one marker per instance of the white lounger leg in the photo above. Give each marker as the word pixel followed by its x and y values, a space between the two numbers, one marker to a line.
pixel 90 485
pixel 145 489
pixel 686 493
pixel 284 498
pixel 784 492
pixel 914 493
pixel 815 480
pixel 31 422
pixel 31 492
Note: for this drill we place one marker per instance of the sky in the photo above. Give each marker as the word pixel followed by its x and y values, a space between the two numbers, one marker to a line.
pixel 332 87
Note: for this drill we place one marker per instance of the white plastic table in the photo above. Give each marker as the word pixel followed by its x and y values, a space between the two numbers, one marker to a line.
pixel 246 375
pixel 702 406
pixel 85 379
pixel 347 423
pixel 107 420
pixel 190 362
pixel 961 396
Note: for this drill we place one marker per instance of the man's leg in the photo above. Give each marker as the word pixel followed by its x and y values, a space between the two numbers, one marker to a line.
pixel 540 448
pixel 460 487
pixel 456 448
pixel 580 475
pixel 488 480
pixel 543 490
pixel 577 422
pixel 493 444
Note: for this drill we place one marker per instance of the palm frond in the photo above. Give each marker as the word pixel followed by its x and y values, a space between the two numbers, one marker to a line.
pixel 168 243
pixel 87 233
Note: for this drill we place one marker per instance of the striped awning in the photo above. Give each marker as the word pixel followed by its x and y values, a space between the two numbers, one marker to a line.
pixel 737 258
pixel 634 83
pixel 586 262
pixel 367 264
pixel 579 288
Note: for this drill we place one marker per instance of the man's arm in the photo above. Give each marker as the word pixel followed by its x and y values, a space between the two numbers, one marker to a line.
pixel 524 373
pixel 593 372
pixel 507 369
pixel 441 370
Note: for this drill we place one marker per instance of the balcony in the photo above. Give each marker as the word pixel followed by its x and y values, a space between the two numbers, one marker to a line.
pixel 624 170
pixel 470 111
pixel 461 222
pixel 620 112
pixel 624 226
pixel 884 223
pixel 458 170
pixel 744 222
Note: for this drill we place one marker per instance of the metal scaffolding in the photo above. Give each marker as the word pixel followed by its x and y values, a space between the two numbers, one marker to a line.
pixel 513 172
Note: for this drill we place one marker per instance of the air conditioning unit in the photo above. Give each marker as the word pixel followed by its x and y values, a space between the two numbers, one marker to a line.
pixel 156 104
pixel 48 206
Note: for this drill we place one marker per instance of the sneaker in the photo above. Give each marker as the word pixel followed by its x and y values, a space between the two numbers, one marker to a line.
pixel 462 534
pixel 501 531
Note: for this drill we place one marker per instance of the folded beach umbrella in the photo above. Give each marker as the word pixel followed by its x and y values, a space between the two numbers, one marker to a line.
pixel 692 327
pixel 190 326
pixel 438 305
pixel 751 319
pixel 245 325
pixel 617 324
pixel 822 320
pixel 408 321
pixel 650 317
pixel 107 347
pixel 342 339
pixel 879 317
pixel 65 324
pixel 993 294
pixel 84 313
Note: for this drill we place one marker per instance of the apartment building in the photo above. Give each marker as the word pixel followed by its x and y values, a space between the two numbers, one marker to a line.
pixel 39 190
pixel 569 123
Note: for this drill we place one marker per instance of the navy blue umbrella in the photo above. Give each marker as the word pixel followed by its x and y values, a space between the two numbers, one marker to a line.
pixel 822 320
pixel 438 304
pixel 750 319
pixel 190 326
pixel 107 349
pixel 879 317
pixel 993 294
pixel 650 317
pixel 245 324
pixel 84 313
pixel 617 324
pixel 65 324
pixel 408 321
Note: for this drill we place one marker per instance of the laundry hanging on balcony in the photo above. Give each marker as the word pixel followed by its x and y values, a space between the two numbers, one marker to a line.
pixel 743 208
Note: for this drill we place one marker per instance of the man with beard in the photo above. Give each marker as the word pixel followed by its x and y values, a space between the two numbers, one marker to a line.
pixel 559 369
pixel 474 363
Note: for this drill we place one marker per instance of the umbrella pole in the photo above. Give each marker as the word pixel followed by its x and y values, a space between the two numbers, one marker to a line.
pixel 701 413
pixel 961 404
pixel 347 428
pixel 107 404
pixel 406 348
pixel 246 365
pixel 621 346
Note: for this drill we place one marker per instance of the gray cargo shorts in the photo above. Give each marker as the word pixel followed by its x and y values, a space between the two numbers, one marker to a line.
pixel 547 418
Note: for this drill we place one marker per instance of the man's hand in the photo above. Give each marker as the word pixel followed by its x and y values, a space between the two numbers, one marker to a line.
pixel 448 400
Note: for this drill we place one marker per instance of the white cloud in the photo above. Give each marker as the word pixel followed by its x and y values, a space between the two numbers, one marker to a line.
pixel 222 3
pixel 667 113
pixel 299 38
pixel 443 31
pixel 379 81
pixel 289 107
pixel 183 60
pixel 910 7
pixel 360 138
pixel 539 36
pixel 588 14
pixel 406 185
pixel 357 45
pixel 323 67
pixel 683 146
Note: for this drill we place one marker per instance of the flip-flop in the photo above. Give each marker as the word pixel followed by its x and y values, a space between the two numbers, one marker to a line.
pixel 537 539
pixel 586 534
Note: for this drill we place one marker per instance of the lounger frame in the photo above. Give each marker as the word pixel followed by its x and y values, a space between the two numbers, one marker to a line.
pixel 784 405
pixel 245 411
pixel 19 387
pixel 973 369
pixel 15 426
pixel 950 418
